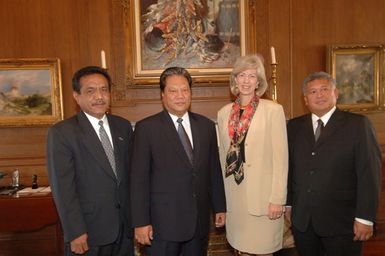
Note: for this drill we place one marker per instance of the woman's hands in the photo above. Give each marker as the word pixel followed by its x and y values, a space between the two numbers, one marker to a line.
pixel 275 211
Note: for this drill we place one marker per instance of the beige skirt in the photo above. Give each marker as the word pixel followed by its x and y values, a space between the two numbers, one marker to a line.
pixel 248 233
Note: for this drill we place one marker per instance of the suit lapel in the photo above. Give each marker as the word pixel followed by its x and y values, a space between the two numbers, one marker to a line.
pixel 92 143
pixel 308 131
pixel 331 127
pixel 172 135
pixel 117 140
pixel 195 137
pixel 257 123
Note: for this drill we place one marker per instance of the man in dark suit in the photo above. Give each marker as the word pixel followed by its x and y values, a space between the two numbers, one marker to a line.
pixel 334 174
pixel 176 174
pixel 88 168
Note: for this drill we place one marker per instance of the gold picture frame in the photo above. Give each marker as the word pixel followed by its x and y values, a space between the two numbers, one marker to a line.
pixel 357 71
pixel 164 36
pixel 30 92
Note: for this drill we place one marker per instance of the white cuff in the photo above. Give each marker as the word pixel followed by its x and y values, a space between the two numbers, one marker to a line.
pixel 366 222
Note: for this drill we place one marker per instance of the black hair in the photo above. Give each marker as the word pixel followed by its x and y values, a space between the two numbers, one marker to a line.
pixel 174 71
pixel 89 70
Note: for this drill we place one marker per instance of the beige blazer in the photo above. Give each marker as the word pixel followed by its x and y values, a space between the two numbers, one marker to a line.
pixel 266 154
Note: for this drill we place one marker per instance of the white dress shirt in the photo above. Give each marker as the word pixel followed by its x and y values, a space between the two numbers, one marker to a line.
pixel 185 123
pixel 325 118
pixel 95 124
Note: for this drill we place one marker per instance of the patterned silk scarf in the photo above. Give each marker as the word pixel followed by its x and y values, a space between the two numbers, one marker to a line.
pixel 238 126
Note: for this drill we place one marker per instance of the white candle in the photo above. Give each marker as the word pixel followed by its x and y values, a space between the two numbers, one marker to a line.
pixel 273 60
pixel 103 59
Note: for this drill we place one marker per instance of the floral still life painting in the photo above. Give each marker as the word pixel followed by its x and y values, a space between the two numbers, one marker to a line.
pixel 357 70
pixel 355 78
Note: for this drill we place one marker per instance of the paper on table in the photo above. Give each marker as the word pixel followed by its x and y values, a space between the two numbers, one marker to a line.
pixel 46 190
pixel 36 190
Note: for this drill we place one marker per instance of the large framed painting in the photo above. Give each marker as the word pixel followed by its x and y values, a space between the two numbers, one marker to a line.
pixel 30 92
pixel 357 70
pixel 204 36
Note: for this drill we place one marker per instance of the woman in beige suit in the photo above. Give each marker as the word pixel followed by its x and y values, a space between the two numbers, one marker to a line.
pixel 254 157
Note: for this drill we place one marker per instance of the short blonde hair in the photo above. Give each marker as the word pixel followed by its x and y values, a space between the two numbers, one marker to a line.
pixel 249 62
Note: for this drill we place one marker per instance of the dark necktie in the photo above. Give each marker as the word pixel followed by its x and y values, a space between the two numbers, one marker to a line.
pixel 107 146
pixel 318 130
pixel 185 140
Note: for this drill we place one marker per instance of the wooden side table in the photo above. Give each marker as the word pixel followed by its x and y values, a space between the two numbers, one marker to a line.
pixel 29 220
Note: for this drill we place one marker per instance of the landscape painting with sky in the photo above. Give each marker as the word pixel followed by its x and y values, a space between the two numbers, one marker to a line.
pixel 25 92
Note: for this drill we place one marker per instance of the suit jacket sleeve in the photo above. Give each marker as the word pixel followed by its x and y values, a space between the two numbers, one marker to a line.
pixel 218 192
pixel 140 178
pixel 61 172
pixel 368 170
pixel 279 158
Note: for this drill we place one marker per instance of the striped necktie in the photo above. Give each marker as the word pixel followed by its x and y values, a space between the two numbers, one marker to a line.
pixel 106 143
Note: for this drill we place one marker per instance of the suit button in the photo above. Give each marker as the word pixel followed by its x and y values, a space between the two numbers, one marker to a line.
pixel 308 190
pixel 117 206
pixel 194 195
pixel 313 153
pixel 311 172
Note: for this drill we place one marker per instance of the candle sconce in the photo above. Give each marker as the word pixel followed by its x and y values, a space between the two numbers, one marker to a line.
pixel 274 67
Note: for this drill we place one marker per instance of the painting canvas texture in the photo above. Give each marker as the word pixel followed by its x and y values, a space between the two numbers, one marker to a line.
pixel 25 92
pixel 355 77
pixel 190 33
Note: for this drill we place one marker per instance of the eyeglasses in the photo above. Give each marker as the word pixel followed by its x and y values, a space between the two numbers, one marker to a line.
pixel 243 76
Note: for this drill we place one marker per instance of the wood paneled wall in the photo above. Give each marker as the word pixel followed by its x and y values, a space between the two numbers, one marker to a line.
pixel 75 31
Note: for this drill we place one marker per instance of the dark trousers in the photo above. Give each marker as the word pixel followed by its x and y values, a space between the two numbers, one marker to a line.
pixel 309 243
pixel 196 246
pixel 123 246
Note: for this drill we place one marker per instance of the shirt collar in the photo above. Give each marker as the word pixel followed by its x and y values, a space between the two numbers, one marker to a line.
pixel 325 118
pixel 185 117
pixel 95 121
